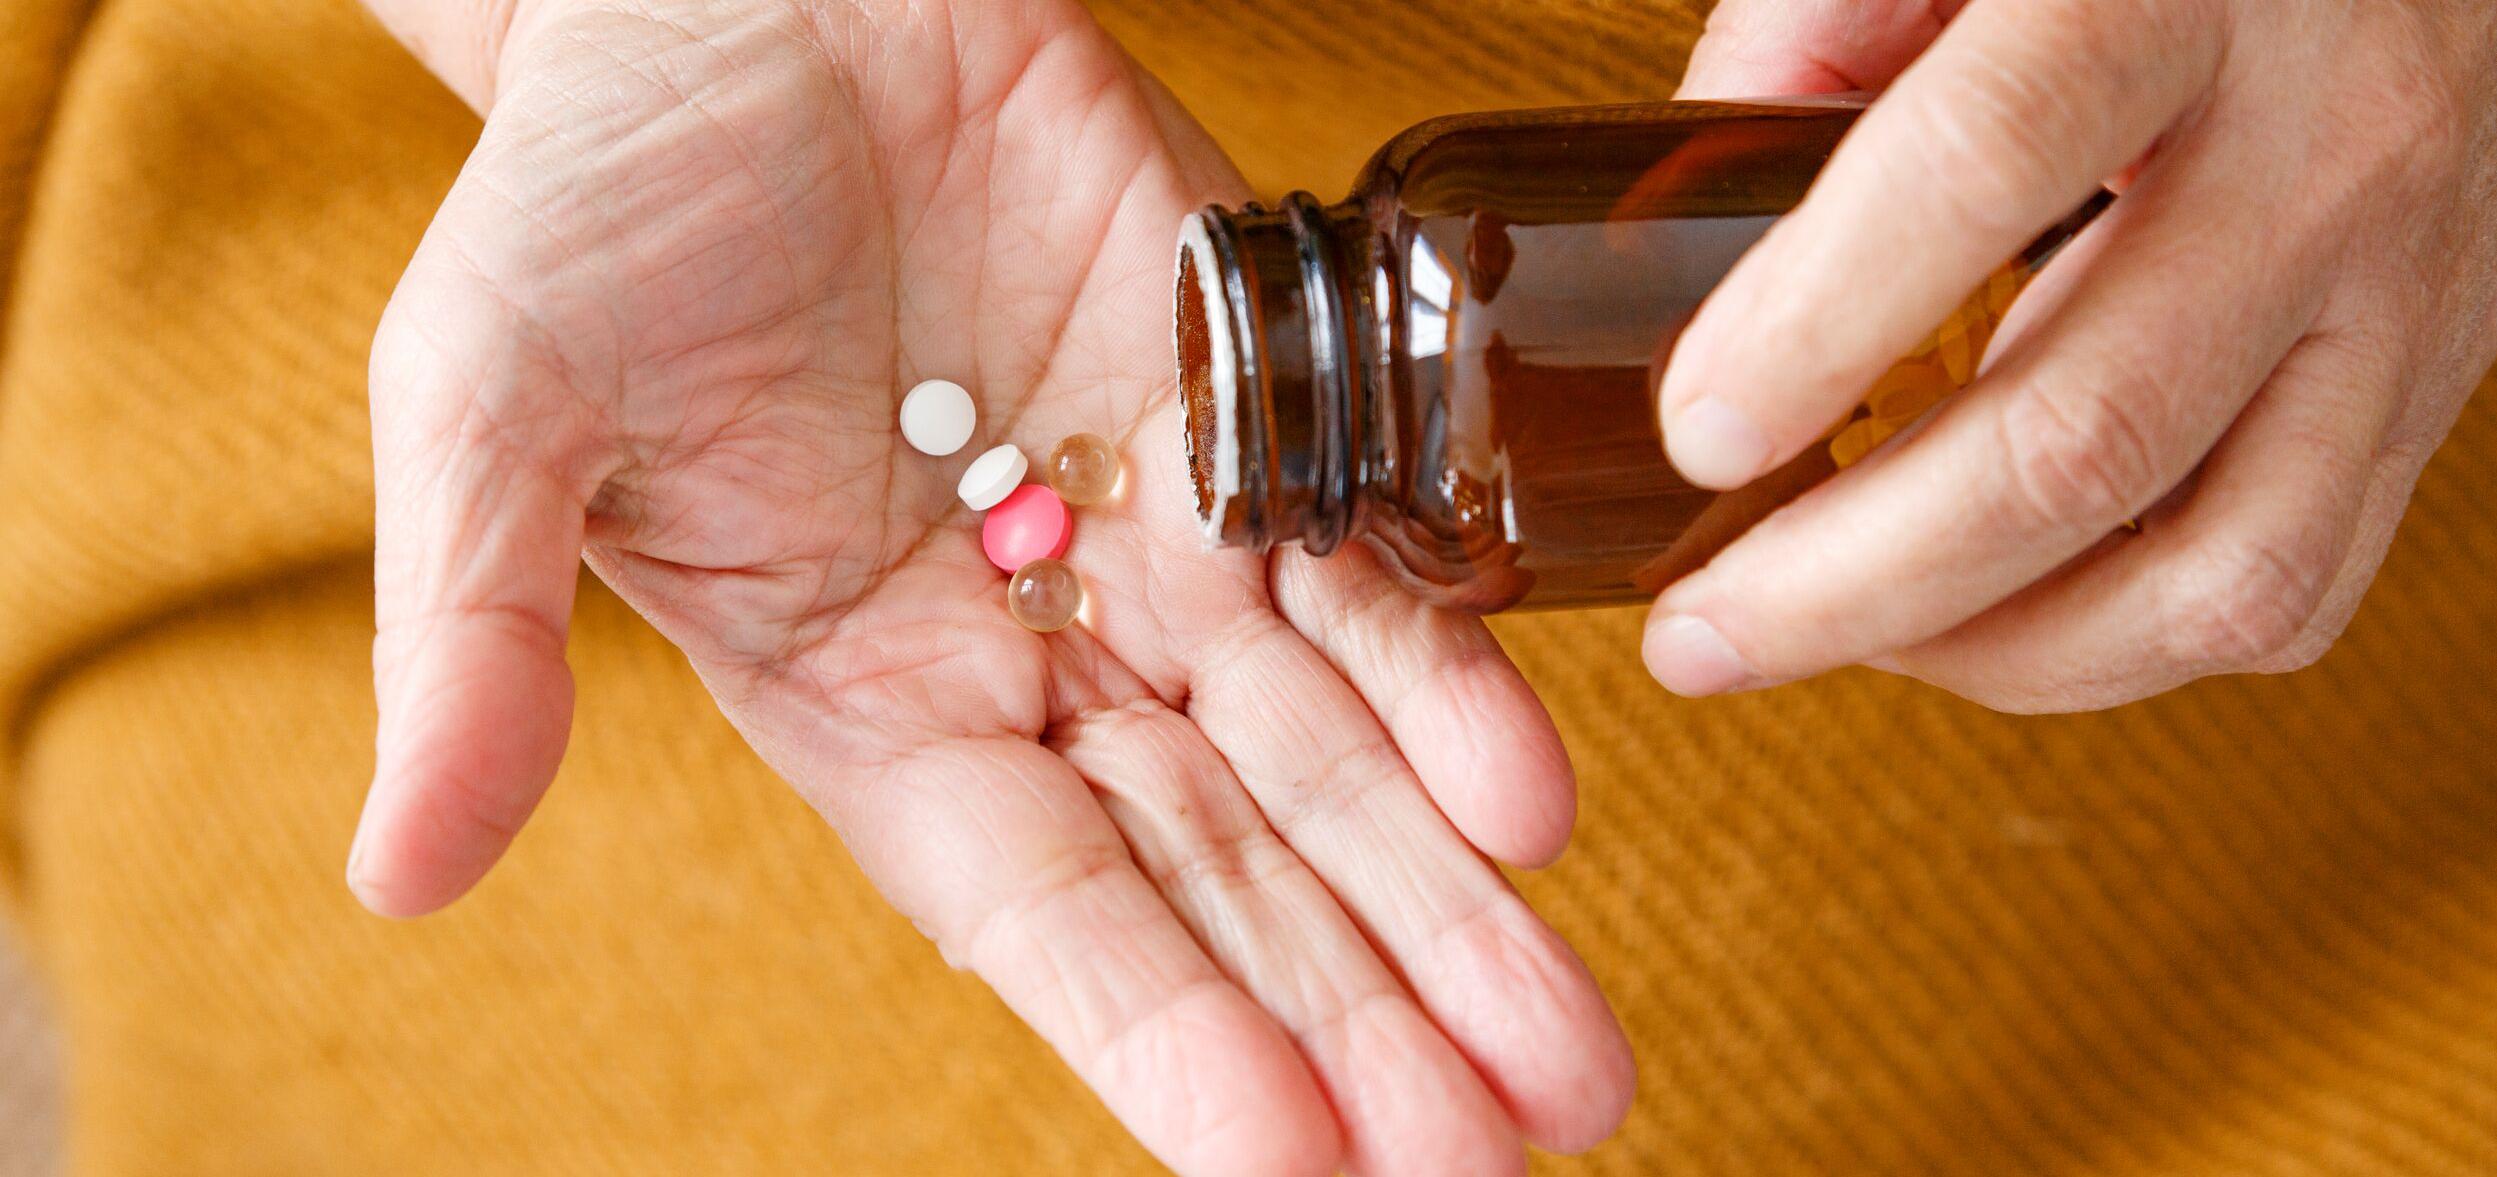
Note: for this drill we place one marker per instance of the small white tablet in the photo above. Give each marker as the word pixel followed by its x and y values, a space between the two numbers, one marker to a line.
pixel 937 417
pixel 992 476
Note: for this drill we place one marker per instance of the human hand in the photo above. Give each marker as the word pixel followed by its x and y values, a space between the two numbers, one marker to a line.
pixel 664 318
pixel 2253 352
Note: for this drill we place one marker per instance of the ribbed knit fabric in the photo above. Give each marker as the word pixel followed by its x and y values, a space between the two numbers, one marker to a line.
pixel 1853 926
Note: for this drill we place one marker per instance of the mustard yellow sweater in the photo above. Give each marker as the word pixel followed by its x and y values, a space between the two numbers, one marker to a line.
pixel 1852 926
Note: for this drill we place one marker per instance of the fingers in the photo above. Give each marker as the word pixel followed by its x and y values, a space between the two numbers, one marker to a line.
pixel 2242 575
pixel 1336 789
pixel 1407 1101
pixel 1502 986
pixel 2097 408
pixel 478 541
pixel 2006 125
pixel 1766 48
pixel 997 848
pixel 1468 724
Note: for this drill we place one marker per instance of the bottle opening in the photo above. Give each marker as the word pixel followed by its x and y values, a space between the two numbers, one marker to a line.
pixel 1211 369
pixel 1266 357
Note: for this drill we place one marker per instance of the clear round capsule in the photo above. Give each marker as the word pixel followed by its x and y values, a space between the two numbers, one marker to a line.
pixel 1044 595
pixel 1083 469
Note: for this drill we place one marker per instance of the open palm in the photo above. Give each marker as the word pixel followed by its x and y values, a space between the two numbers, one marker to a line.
pixel 1215 844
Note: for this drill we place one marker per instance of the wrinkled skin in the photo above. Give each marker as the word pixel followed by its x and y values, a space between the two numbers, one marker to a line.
pixel 1220 847
pixel 2253 353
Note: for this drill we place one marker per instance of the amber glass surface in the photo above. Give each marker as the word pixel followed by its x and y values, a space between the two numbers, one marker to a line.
pixel 1504 290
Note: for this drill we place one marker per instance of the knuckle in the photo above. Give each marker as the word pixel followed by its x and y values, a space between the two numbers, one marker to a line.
pixel 2325 624
pixel 2406 123
pixel 2400 113
pixel 1221 869
pixel 2079 460
pixel 2251 605
pixel 2306 651
pixel 1342 787
pixel 2061 701
pixel 2026 691
pixel 2408 445
pixel 1072 876
pixel 2016 698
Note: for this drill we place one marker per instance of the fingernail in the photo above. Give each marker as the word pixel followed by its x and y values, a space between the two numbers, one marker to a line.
pixel 1715 444
pixel 1692 659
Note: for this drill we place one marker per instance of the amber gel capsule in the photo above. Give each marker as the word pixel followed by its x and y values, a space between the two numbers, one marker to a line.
pixel 1083 469
pixel 1458 364
pixel 1044 595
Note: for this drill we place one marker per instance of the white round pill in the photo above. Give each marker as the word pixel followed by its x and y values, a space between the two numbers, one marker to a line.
pixel 992 477
pixel 937 417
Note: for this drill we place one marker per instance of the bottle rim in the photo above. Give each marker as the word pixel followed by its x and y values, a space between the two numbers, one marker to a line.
pixel 1212 317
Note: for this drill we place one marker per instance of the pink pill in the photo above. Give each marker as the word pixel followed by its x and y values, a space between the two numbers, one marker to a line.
pixel 1031 524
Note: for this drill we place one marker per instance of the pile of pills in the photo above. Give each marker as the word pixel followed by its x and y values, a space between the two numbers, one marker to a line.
pixel 1027 528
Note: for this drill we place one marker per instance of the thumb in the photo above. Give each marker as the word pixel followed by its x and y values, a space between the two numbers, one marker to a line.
pixel 1767 48
pixel 478 542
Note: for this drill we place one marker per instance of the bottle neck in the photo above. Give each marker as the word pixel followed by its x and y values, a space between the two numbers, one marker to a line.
pixel 1275 368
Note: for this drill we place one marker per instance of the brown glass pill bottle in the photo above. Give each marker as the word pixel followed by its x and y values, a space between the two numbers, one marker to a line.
pixel 1458 363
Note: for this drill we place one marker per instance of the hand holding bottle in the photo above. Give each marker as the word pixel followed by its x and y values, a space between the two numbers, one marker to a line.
pixel 664 320
pixel 2252 354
